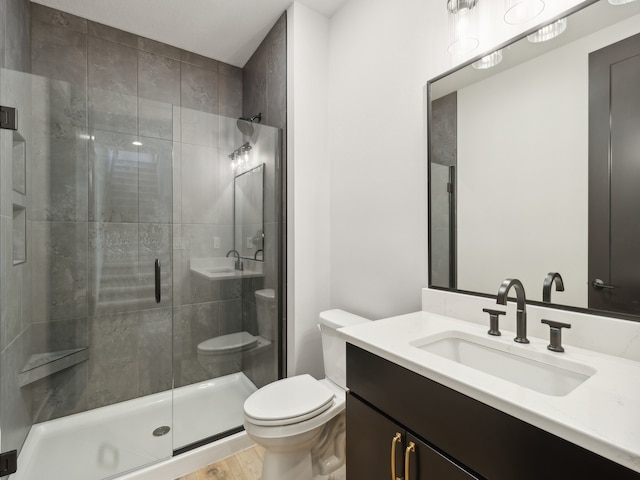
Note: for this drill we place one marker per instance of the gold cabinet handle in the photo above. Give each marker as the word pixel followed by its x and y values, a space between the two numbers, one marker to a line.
pixel 397 439
pixel 411 448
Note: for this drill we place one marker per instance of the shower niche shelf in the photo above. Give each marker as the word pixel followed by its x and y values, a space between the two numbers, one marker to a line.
pixel 42 365
pixel 19 164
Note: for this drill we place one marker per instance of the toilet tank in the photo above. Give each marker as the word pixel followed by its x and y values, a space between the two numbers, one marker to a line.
pixel 266 311
pixel 333 347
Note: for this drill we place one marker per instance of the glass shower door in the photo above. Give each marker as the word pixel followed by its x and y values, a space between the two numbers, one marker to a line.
pixel 130 277
pixel 443 226
pixel 226 271
pixel 15 267
pixel 85 238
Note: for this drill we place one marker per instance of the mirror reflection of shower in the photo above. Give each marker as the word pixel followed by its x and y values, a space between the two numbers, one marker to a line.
pixel 241 158
pixel 245 124
pixel 248 213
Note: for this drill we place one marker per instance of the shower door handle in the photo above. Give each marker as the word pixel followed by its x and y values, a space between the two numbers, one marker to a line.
pixel 157 272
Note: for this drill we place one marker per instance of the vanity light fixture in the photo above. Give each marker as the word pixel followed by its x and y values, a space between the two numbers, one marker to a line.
pixel 463 26
pixel 137 143
pixel 548 31
pixel 488 61
pixel 521 11
pixel 620 2
pixel 240 157
pixel 460 6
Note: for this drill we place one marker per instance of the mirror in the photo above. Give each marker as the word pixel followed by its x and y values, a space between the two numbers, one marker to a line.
pixel 509 167
pixel 248 212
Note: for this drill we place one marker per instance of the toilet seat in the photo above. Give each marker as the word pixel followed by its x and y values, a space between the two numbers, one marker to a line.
pixel 288 401
pixel 230 343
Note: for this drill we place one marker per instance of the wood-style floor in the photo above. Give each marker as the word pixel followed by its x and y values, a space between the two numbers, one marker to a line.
pixel 246 465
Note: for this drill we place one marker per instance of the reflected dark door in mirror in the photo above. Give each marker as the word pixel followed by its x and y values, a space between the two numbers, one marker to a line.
pixel 614 177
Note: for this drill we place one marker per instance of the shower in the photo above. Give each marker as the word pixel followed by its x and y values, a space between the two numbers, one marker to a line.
pixel 125 342
pixel 245 124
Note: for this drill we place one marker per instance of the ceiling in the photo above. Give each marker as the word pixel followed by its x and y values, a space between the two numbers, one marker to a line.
pixel 226 30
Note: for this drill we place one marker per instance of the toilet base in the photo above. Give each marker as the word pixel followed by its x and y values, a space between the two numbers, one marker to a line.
pixel 287 466
pixel 290 458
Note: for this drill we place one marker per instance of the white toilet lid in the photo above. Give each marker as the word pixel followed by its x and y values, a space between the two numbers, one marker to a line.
pixel 230 343
pixel 288 401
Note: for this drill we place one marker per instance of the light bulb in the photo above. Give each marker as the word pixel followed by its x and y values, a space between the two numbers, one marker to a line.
pixel 521 11
pixel 488 61
pixel 549 31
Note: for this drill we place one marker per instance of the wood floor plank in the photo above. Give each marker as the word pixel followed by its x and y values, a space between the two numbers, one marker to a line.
pixel 251 464
pixel 216 471
pixel 245 465
pixel 260 451
pixel 236 468
pixel 191 476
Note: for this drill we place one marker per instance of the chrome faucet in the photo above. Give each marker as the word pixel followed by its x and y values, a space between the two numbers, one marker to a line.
pixel 548 283
pixel 238 264
pixel 521 314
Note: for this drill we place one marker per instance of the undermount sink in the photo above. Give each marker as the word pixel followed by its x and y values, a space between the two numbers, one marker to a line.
pixel 543 373
pixel 220 268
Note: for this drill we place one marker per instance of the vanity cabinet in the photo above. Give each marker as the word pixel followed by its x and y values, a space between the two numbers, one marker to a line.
pixel 455 435
pixel 382 449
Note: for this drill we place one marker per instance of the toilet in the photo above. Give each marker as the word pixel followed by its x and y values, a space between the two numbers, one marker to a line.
pixel 222 355
pixel 299 420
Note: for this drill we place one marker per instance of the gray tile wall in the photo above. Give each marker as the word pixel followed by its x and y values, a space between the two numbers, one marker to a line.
pixel 103 210
pixel 15 280
pixel 265 91
pixel 265 78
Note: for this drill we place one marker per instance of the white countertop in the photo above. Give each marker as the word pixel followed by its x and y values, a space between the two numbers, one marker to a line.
pixel 602 414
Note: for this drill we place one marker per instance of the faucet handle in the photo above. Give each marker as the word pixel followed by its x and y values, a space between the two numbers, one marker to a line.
pixel 494 315
pixel 556 334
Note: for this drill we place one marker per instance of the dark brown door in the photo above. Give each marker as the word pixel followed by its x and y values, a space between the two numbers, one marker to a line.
pixel 614 177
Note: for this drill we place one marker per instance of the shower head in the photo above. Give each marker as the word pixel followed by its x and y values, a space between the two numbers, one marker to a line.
pixel 244 123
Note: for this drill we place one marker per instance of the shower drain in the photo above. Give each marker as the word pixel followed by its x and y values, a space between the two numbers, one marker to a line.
pixel 158 432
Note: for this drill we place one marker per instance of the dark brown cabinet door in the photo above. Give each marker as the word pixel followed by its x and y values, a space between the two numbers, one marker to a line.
pixel 372 452
pixel 369 443
pixel 425 463
pixel 614 177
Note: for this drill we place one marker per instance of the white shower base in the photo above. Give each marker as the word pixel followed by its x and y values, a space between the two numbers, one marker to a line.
pixel 108 441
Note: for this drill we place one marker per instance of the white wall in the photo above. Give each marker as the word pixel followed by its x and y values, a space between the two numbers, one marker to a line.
pixel 378 67
pixel 357 171
pixel 308 226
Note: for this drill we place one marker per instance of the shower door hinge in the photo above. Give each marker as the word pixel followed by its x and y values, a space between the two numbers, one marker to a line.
pixel 8 118
pixel 449 187
pixel 8 463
